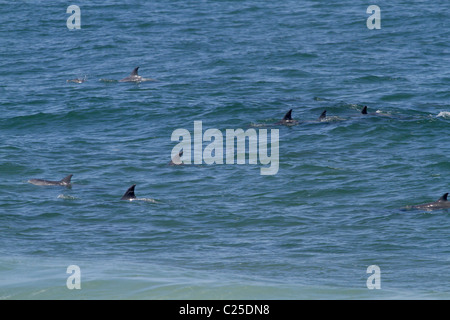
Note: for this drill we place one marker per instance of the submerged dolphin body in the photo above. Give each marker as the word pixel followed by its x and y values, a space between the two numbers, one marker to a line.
pixel 76 80
pixel 442 203
pixel 64 182
pixel 287 119
pixel 134 77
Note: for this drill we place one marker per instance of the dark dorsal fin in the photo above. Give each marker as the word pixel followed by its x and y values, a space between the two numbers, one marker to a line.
pixel 66 180
pixel 323 115
pixel 288 115
pixel 364 110
pixel 444 197
pixel 134 72
pixel 129 194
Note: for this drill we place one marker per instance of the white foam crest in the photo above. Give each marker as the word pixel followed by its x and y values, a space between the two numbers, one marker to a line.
pixel 66 197
pixel 145 199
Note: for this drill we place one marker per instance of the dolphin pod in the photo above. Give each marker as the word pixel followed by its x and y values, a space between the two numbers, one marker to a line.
pixel 441 203
pixel 288 121
pixel 66 182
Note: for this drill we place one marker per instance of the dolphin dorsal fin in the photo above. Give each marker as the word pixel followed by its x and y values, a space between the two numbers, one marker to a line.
pixel 288 115
pixel 67 179
pixel 129 194
pixel 134 72
pixel 364 110
pixel 444 197
pixel 323 115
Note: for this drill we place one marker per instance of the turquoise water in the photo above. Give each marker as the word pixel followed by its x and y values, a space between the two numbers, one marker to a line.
pixel 310 231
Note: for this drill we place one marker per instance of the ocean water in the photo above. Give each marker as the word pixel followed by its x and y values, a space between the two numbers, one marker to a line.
pixel 224 231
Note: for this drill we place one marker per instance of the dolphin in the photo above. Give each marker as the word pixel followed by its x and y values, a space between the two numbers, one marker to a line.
pixel 176 160
pixel 129 195
pixel 64 182
pixel 442 203
pixel 364 110
pixel 134 77
pixel 323 115
pixel 77 80
pixel 328 119
pixel 287 119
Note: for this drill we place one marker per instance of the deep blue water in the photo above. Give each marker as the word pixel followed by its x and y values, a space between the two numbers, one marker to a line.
pixel 224 231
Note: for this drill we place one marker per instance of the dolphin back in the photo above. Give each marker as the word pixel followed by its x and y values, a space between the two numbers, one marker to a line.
pixel 41 182
pixel 442 203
